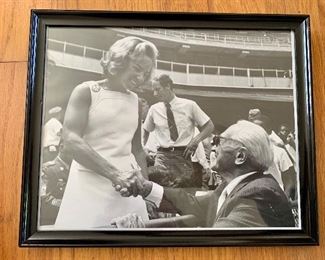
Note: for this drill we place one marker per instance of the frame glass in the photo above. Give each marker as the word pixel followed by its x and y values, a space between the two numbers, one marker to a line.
pixel 241 70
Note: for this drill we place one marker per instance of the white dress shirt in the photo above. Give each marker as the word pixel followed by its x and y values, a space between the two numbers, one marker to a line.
pixel 276 139
pixel 187 114
pixel 230 187
pixel 281 163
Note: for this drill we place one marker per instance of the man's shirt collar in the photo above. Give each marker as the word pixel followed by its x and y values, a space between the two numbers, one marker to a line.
pixel 231 185
pixel 173 101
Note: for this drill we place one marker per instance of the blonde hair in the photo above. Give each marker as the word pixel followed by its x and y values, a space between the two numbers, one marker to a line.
pixel 117 57
pixel 255 139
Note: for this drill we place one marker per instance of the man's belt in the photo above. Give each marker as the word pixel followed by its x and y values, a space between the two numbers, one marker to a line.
pixel 171 149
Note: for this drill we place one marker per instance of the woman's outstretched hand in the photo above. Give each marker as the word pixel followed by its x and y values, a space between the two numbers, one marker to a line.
pixel 132 183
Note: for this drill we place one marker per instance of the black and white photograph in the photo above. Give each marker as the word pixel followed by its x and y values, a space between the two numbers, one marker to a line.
pixel 159 128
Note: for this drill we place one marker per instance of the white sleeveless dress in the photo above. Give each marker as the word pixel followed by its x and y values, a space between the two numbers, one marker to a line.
pixel 90 201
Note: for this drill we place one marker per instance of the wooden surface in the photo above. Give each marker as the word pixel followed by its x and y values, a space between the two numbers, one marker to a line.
pixel 14 30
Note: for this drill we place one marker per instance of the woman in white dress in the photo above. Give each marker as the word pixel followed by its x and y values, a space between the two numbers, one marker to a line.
pixel 102 128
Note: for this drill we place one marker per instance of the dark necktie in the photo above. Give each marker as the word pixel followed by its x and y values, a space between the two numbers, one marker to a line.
pixel 171 123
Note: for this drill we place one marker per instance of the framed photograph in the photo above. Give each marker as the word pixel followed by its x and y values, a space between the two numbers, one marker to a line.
pixel 168 129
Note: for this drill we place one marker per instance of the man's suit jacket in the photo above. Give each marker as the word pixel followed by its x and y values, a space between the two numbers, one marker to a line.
pixel 257 201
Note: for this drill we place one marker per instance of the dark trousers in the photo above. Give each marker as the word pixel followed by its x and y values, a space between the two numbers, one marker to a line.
pixel 180 171
pixel 198 174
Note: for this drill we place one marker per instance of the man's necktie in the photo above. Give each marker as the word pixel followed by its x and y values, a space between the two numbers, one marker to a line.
pixel 222 199
pixel 171 123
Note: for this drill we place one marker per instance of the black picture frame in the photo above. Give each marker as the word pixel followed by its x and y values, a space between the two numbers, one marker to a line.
pixel 41 19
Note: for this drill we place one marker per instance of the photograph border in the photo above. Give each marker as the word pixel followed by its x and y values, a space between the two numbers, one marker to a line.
pixel 41 19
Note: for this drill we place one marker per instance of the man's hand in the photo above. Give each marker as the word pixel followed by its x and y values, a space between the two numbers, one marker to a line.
pixel 128 183
pixel 207 174
pixel 133 185
pixel 190 149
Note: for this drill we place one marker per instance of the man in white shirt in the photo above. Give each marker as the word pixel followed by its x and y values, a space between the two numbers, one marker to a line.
pixel 174 120
pixel 52 134
pixel 276 139
pixel 247 197
pixel 282 167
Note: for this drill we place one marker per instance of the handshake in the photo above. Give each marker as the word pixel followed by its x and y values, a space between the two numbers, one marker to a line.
pixel 132 183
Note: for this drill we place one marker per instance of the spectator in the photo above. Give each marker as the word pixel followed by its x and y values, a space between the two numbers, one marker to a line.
pixel 173 120
pixel 52 134
pixel 282 168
